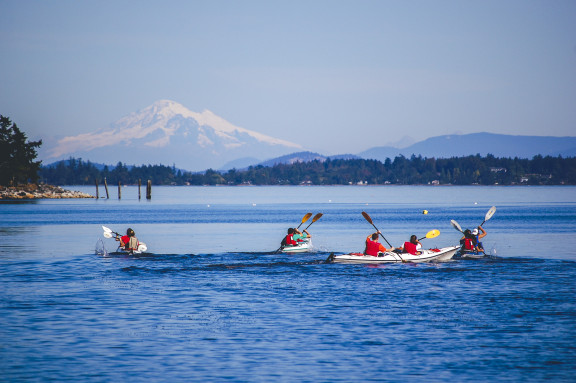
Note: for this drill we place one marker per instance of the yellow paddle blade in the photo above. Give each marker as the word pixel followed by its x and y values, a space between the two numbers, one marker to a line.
pixel 317 217
pixel 306 217
pixel 433 233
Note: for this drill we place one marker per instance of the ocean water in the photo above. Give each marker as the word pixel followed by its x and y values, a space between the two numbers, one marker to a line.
pixel 213 301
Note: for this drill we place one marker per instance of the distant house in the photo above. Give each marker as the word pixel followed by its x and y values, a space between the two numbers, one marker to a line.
pixel 498 170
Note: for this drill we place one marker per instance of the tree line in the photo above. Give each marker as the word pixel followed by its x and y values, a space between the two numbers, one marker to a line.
pixel 468 170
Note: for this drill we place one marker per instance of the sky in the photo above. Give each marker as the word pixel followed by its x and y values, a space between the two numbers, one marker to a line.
pixel 336 76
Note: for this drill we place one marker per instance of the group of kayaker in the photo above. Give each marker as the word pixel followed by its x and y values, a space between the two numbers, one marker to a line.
pixel 470 242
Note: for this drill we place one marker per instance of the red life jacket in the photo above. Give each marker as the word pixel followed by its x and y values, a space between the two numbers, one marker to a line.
pixel 469 244
pixel 290 241
pixel 126 240
pixel 409 247
pixel 372 247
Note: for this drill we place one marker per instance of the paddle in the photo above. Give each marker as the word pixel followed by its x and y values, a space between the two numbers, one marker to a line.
pixel 304 219
pixel 489 214
pixel 367 217
pixel 431 234
pixel 316 218
pixel 109 231
pixel 456 226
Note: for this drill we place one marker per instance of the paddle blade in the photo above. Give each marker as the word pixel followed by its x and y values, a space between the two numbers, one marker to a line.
pixel 142 247
pixel 433 233
pixel 304 219
pixel 108 234
pixel 490 213
pixel 367 217
pixel 106 229
pixel 316 218
pixel 456 226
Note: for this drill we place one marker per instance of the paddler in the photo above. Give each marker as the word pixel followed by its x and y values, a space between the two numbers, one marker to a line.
pixel 289 239
pixel 129 241
pixel 373 247
pixel 468 242
pixel 478 237
pixel 413 246
pixel 301 236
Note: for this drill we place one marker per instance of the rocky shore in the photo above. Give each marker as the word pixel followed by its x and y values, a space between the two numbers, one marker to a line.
pixel 39 191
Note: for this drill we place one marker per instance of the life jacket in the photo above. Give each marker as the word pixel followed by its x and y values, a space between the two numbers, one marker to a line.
pixel 409 247
pixel 372 247
pixel 289 241
pixel 130 241
pixel 469 244
pixel 126 241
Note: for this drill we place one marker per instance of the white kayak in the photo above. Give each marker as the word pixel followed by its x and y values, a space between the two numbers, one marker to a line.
pixel 142 248
pixel 301 247
pixel 428 255
pixel 470 255
pixel 101 249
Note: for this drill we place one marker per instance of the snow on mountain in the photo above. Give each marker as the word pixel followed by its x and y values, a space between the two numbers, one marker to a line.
pixel 167 132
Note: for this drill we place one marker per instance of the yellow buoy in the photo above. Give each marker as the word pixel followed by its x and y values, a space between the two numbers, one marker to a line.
pixel 424 211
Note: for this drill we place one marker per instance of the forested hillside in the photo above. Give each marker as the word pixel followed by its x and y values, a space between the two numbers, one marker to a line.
pixel 468 170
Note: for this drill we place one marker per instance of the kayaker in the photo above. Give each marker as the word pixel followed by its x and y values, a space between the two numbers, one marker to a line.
pixel 129 241
pixel 300 236
pixel 478 237
pixel 413 246
pixel 468 242
pixel 373 247
pixel 289 239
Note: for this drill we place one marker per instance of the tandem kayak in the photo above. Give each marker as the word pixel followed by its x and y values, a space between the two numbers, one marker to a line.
pixel 301 247
pixel 429 255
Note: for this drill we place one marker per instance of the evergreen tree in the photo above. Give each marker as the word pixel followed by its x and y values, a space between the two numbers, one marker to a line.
pixel 17 165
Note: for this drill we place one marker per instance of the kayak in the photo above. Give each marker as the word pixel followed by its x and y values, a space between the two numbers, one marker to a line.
pixel 101 249
pixel 469 255
pixel 141 249
pixel 301 247
pixel 429 255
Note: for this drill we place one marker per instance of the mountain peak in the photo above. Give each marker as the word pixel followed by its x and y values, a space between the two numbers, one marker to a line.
pixel 169 127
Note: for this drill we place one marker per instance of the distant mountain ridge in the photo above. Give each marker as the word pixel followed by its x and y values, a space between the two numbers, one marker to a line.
pixel 499 145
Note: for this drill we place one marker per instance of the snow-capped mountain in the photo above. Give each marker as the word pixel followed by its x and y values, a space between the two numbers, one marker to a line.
pixel 168 133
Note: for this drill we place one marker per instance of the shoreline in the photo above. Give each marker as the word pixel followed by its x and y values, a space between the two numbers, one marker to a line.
pixel 33 191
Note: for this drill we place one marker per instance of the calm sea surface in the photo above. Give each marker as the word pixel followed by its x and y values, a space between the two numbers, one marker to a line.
pixel 212 301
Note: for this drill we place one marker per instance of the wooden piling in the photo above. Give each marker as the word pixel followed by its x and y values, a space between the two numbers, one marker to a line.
pixel 139 186
pixel 106 187
pixel 119 190
pixel 96 183
pixel 149 190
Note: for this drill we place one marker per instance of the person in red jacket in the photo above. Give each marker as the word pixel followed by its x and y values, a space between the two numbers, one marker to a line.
pixel 289 239
pixel 129 241
pixel 412 246
pixel 373 247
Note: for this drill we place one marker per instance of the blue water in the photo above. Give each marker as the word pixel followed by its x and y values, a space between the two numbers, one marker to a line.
pixel 212 301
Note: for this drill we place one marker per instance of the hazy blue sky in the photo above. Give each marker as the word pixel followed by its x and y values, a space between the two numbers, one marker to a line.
pixel 340 76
